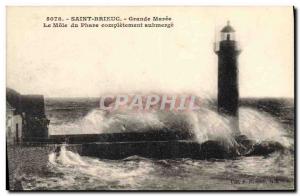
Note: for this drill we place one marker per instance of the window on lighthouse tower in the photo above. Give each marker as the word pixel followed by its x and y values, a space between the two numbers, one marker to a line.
pixel 228 37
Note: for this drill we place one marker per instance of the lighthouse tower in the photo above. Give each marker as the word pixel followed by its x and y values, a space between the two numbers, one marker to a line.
pixel 228 92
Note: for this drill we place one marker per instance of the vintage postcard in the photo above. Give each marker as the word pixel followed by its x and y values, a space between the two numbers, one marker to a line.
pixel 150 98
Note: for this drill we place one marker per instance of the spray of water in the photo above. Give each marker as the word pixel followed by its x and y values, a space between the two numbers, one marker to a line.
pixel 260 126
pixel 74 166
pixel 205 124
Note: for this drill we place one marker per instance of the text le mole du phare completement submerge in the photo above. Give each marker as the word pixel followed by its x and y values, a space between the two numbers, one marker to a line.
pixel 91 21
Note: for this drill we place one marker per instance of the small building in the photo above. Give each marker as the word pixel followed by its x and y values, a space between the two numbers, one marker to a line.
pixel 14 125
pixel 26 119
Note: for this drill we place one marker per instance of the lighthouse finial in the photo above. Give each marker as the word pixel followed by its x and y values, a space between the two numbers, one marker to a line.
pixel 228 22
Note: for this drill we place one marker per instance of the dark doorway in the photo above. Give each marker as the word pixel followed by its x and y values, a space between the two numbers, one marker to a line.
pixel 17 133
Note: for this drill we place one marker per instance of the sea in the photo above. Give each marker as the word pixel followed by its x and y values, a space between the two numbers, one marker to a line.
pixel 267 119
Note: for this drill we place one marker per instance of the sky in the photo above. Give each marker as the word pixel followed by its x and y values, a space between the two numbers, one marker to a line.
pixel 90 62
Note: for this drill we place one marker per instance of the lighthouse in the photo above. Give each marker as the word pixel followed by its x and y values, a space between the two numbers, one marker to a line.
pixel 228 92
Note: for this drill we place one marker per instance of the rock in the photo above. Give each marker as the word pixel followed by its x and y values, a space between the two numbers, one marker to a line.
pixel 244 145
pixel 265 148
pixel 248 147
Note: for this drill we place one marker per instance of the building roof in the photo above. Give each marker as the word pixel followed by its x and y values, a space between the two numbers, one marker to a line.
pixel 32 105
pixel 227 28
pixel 9 107
pixel 13 99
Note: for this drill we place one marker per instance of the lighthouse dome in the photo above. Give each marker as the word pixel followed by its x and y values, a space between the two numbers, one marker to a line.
pixel 227 28
pixel 228 33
